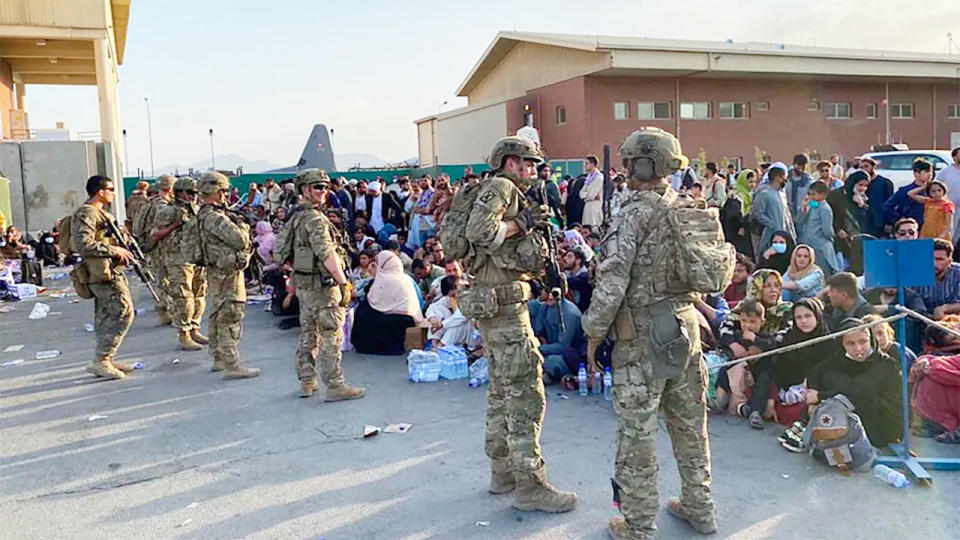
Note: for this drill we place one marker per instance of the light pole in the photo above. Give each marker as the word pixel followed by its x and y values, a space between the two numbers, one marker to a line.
pixel 126 155
pixel 149 135
pixel 441 106
pixel 213 162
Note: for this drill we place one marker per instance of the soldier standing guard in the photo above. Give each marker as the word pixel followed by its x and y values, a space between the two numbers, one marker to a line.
pixel 645 291
pixel 505 252
pixel 308 238
pixel 102 272
pixel 144 230
pixel 187 283
pixel 226 246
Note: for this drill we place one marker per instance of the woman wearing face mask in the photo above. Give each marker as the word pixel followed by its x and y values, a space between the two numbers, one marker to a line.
pixel 803 279
pixel 868 377
pixel 777 255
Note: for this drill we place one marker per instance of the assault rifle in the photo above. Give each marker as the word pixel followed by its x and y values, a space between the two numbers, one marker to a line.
pixel 130 244
pixel 556 282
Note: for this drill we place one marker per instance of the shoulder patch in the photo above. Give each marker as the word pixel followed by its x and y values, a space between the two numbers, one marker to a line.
pixel 487 196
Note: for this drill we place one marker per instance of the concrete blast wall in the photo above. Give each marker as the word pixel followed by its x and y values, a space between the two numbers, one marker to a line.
pixel 47 179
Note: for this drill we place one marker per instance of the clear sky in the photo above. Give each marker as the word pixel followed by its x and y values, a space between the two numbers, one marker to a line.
pixel 262 73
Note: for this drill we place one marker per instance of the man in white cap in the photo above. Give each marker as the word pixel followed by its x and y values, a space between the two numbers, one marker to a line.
pixel 372 203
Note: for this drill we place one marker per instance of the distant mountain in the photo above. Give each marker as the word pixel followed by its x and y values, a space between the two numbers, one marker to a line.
pixel 348 161
pixel 226 161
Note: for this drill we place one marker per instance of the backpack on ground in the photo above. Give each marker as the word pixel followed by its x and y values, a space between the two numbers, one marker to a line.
pixel 837 434
pixel 705 262
pixel 453 230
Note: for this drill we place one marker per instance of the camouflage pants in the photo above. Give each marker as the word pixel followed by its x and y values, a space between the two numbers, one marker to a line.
pixel 225 326
pixel 160 282
pixel 638 395
pixel 113 313
pixel 321 331
pixel 515 400
pixel 187 293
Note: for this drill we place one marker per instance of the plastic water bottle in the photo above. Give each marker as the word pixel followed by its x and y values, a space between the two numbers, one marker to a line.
pixel 597 383
pixel 582 379
pixel 473 383
pixel 268 290
pixel 607 385
pixel 891 476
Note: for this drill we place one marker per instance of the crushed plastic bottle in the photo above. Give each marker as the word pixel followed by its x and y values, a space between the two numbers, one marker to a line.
pixel 43 355
pixel 139 365
pixel 891 476
pixel 88 327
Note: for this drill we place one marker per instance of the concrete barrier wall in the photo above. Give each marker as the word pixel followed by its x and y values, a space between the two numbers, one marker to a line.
pixel 48 178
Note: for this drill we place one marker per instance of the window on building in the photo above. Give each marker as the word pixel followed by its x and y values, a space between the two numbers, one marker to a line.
pixel 695 110
pixel 733 110
pixel 561 115
pixel 953 110
pixel 871 110
pixel 839 110
pixel 653 110
pixel 621 110
pixel 901 110
pixel 763 105
pixel 814 105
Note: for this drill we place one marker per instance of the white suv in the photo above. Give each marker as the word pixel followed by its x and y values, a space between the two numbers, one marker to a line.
pixel 898 165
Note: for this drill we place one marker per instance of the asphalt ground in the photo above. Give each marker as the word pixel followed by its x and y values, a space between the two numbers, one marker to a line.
pixel 173 451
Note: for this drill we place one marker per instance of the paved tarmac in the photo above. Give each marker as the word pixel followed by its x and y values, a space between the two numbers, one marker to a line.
pixel 184 454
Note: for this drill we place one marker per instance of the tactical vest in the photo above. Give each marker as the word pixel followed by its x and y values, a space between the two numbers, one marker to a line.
pixel 305 260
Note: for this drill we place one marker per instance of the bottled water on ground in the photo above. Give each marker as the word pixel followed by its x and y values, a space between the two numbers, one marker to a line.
pixel 597 383
pixel 891 476
pixel 607 385
pixel 582 379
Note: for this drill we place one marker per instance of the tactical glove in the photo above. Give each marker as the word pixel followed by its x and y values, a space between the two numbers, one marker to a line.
pixel 533 217
pixel 346 294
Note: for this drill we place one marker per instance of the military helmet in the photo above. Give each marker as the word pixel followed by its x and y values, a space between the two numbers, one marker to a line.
pixel 514 146
pixel 307 177
pixel 657 145
pixel 185 184
pixel 213 182
pixel 166 181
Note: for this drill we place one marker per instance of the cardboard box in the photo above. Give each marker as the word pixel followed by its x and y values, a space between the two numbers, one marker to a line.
pixel 24 290
pixel 416 338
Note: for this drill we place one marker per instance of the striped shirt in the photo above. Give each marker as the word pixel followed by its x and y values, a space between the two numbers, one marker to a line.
pixel 944 291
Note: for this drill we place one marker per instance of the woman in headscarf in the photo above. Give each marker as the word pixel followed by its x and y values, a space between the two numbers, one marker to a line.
pixel 575 240
pixel 803 279
pixel 936 395
pixel 766 285
pixel 390 307
pixel 777 256
pixel 735 211
pixel 266 242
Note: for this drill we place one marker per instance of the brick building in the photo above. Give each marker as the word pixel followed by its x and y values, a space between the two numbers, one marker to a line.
pixel 733 100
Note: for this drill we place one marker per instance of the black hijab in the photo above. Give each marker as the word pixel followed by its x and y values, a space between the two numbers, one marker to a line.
pixel 793 367
pixel 780 261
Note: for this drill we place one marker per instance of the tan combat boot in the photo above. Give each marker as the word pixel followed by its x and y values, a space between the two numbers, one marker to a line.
pixel 502 479
pixel 707 526
pixel 535 494
pixel 218 365
pixel 101 367
pixel 198 337
pixel 187 343
pixel 617 527
pixel 344 391
pixel 308 387
pixel 122 366
pixel 237 371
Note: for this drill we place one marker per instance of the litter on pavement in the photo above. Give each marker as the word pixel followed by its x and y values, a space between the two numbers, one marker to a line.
pixel 9 363
pixel 95 417
pixel 370 431
pixel 13 348
pixel 397 428
pixel 40 311
pixel 43 355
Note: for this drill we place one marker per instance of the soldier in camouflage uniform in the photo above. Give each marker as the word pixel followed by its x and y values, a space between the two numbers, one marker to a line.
pixel 102 264
pixel 636 296
pixel 187 283
pixel 226 248
pixel 308 240
pixel 144 229
pixel 506 251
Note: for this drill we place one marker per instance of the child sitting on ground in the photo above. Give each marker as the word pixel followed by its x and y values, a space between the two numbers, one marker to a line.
pixel 741 336
pixel 937 210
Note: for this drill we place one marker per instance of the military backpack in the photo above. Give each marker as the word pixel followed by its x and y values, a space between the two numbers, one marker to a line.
pixel 191 242
pixel 453 230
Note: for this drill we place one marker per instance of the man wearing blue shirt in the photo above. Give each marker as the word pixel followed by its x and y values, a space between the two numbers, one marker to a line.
pixel 943 297
pixel 556 346
pixel 901 205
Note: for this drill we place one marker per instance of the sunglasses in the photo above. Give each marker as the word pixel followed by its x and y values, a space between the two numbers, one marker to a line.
pixel 320 186
pixel 191 192
pixel 109 189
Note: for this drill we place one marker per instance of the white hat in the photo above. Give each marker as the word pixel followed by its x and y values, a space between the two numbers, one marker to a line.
pixel 352 182
pixel 374 186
